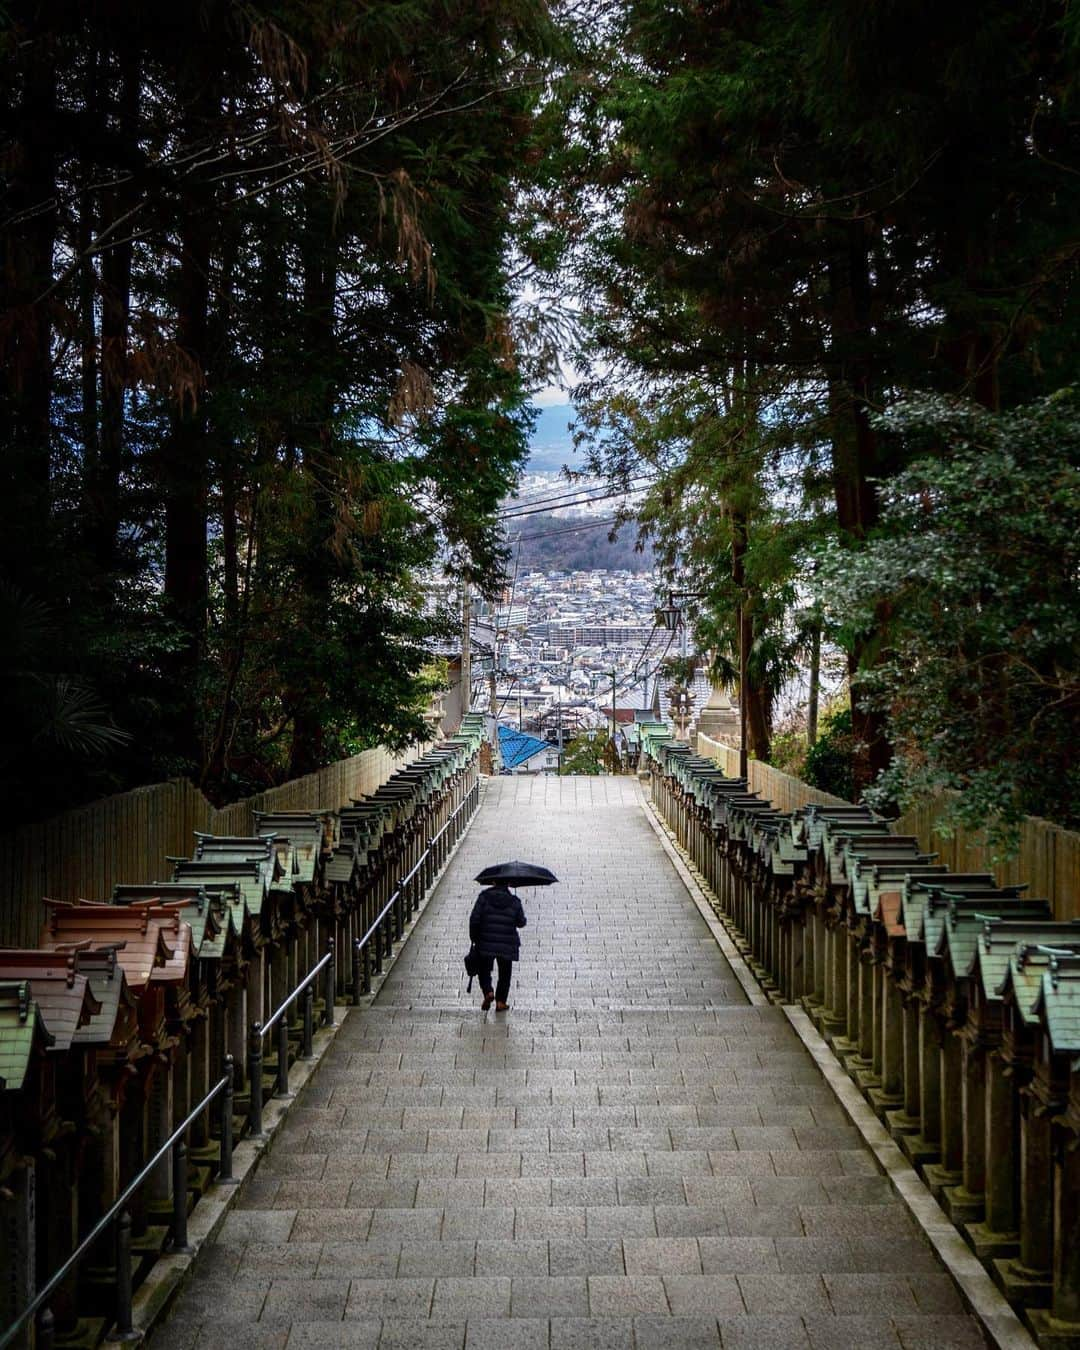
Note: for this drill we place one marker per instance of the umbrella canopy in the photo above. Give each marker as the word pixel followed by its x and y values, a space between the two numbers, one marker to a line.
pixel 517 874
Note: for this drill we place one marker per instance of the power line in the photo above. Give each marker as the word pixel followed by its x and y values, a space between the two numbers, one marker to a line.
pixel 609 520
pixel 643 479
pixel 569 529
pixel 649 674
pixel 561 501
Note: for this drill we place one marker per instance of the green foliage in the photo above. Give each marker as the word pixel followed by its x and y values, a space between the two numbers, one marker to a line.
pixel 590 755
pixel 791 213
pixel 977 560
pixel 259 381
pixel 830 762
pixel 789 751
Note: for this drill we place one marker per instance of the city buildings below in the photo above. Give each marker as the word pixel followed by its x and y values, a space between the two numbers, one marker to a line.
pixel 522 753
pixel 564 654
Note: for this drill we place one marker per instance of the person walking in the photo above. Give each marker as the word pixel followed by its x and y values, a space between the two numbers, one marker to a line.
pixel 493 931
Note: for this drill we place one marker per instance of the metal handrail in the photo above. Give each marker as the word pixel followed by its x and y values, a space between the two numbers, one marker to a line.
pixel 280 1012
pixel 277 1018
pixel 361 968
pixel 362 942
pixel 175 1144
pixel 450 818
pixel 361 984
pixel 179 1230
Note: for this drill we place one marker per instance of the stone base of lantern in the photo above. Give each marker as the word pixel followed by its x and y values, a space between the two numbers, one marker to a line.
pixel 1021 1285
pixel 86 1334
pixel 939 1178
pixel 845 1049
pixel 1052 1334
pixel 900 1124
pixel 920 1152
pixel 963 1206
pixel 883 1103
pixel 990 1245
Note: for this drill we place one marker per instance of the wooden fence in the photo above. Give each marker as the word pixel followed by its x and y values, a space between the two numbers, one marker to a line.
pixel 1048 859
pixel 785 793
pixel 83 853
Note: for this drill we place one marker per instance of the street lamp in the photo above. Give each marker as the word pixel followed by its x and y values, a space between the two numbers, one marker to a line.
pixel 669 616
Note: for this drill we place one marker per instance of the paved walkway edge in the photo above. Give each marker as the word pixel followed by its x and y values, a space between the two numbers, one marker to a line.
pixel 1002 1326
pixel 171 1272
pixel 750 987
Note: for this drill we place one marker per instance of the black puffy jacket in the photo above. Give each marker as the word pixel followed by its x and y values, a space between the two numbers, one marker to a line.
pixel 494 921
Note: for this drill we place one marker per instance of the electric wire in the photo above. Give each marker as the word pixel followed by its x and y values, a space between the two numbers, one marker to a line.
pixel 569 529
pixel 532 506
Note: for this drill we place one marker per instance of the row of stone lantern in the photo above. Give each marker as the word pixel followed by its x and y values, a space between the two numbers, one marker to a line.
pixel 116 1027
pixel 952 1001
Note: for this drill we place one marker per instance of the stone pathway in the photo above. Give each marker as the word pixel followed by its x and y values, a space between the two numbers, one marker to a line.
pixel 632 1158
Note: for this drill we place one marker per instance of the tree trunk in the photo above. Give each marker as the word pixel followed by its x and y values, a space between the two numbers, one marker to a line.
pixel 316 565
pixel 755 703
pixel 105 489
pixel 26 375
pixel 185 460
pixel 815 687
pixel 88 290
pixel 855 461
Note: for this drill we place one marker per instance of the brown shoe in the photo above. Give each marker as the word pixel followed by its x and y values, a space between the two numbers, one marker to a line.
pixel 489 999
pixel 502 1007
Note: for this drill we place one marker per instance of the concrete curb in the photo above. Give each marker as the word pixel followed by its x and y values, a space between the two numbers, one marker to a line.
pixel 170 1273
pixel 1001 1324
pixel 986 1302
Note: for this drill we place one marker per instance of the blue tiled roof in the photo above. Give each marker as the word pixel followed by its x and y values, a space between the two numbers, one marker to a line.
pixel 518 746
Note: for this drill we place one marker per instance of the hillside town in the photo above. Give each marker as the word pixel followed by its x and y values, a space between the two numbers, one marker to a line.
pixel 560 651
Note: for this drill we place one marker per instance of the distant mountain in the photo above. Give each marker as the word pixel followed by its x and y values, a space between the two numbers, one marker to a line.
pixel 552 443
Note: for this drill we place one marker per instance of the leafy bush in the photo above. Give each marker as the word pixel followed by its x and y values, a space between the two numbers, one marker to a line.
pixel 976 563
pixel 587 755
pixel 830 763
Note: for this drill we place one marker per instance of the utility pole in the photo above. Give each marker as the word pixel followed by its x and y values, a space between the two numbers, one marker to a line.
pixel 744 770
pixel 466 648
pixel 614 759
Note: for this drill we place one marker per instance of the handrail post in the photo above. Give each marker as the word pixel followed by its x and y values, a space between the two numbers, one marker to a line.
pixel 179 1181
pixel 124 1330
pixel 366 968
pixel 357 976
pixel 377 938
pixel 281 1088
pixel 46 1329
pixel 330 980
pixel 255 1060
pixel 225 1172
pixel 307 1048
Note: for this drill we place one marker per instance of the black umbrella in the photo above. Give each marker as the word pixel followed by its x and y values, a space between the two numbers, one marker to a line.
pixel 517 874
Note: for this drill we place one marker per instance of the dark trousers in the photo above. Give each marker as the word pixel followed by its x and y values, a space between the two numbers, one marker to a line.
pixel 485 961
